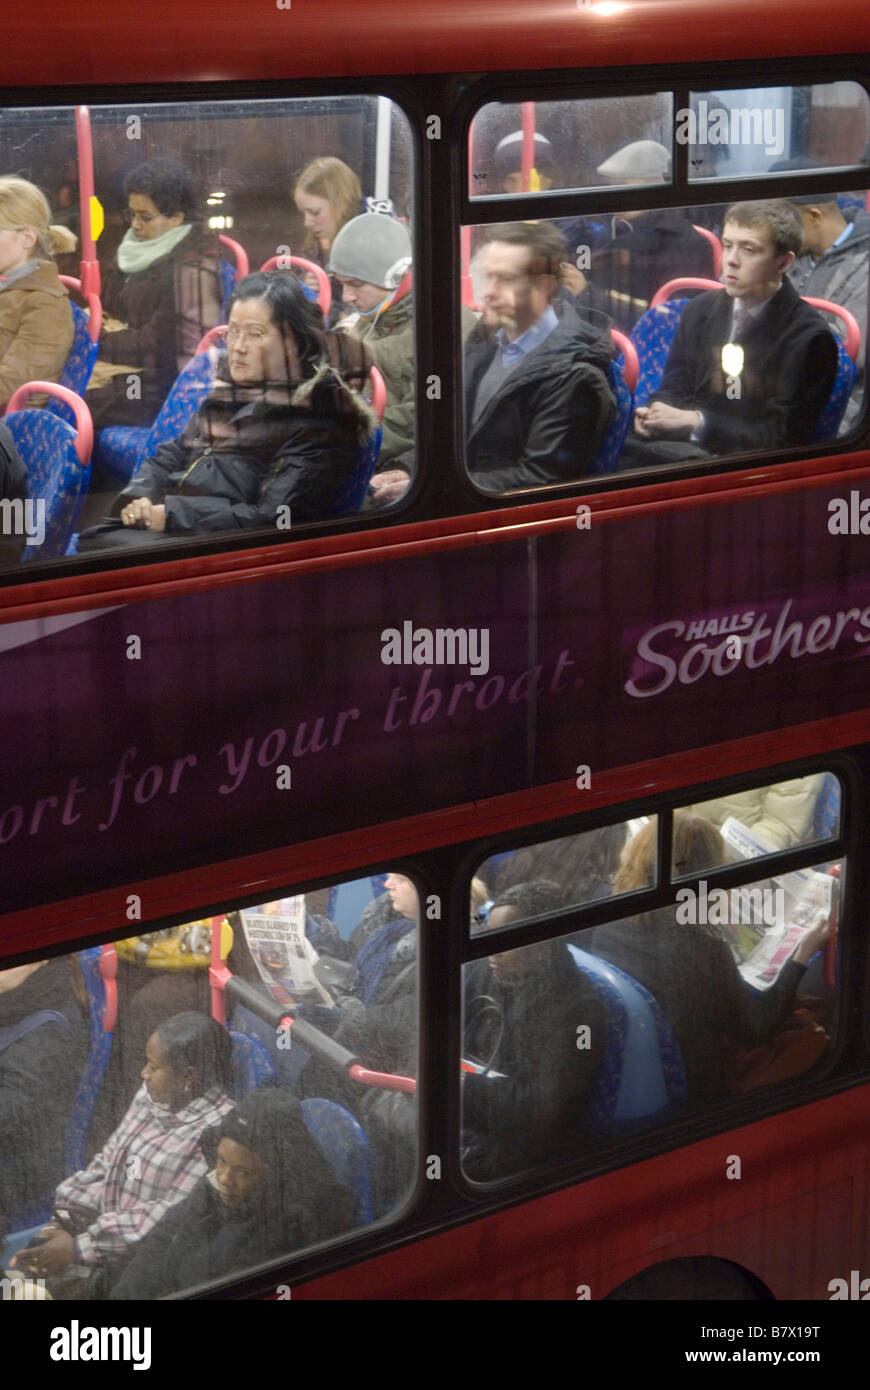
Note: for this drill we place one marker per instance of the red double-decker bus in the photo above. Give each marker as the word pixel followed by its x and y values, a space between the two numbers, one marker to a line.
pixel 477 764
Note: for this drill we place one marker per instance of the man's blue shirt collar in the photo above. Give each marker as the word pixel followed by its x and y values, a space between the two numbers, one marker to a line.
pixel 512 353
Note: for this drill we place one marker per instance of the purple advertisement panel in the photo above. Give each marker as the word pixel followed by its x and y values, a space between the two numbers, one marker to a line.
pixel 153 737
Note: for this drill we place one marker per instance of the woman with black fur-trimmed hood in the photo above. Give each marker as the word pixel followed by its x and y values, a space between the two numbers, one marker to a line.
pixel 275 442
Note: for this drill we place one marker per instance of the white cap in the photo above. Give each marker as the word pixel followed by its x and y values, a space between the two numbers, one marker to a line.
pixel 642 159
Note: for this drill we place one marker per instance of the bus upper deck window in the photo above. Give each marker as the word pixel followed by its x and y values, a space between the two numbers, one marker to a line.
pixel 190 201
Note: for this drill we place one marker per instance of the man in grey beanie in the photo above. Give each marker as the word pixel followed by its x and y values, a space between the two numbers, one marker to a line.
pixel 371 259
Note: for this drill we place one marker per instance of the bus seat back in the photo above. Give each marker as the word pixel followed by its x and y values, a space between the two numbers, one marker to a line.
pixel 343 1143
pixel 641 1073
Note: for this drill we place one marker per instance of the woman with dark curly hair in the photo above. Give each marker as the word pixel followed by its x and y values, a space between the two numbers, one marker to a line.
pixel 162 294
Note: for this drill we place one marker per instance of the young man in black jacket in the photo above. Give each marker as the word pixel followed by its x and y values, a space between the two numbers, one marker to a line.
pixel 538 402
pixel 752 366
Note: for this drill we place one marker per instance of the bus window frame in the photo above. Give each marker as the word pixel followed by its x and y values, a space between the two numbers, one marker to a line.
pixel 493 209
pixel 827 1076
pixel 442 954
pixel 400 90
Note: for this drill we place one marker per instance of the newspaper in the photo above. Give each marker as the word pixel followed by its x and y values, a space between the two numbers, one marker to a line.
pixel 281 951
pixel 815 905
pixel 749 844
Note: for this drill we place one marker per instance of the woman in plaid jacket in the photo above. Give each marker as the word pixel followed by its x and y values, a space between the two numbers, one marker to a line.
pixel 152 1160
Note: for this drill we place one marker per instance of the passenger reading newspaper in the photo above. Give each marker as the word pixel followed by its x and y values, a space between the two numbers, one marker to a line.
pixel 770 922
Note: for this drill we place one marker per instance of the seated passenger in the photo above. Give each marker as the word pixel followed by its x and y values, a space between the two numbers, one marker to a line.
pixel 328 195
pixel 269 1193
pixel 537 399
pixel 582 864
pixel 375 989
pixel 274 441
pixel 509 163
pixel 371 260
pixel 583 233
pixel 151 1161
pixel 690 969
pixel 525 1100
pixel 641 251
pixel 781 814
pixel 159 974
pixel 36 323
pixel 158 300
pixel 43 1042
pixel 833 263
pixel 752 366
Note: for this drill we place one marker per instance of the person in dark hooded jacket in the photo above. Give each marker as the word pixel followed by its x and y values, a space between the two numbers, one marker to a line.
pixel 538 402
pixel 526 1078
pixel 272 445
pixel 269 1193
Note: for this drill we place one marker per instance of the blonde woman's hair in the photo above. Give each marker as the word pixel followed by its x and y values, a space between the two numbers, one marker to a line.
pixel 697 845
pixel 479 894
pixel 332 179
pixel 23 205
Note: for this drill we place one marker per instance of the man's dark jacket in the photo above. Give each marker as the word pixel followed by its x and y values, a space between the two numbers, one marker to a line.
pixel 637 256
pixel 530 1105
pixel 694 978
pixel 549 418
pixel 789 368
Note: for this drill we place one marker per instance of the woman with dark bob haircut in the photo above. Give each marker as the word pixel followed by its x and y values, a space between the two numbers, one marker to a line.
pixel 277 436
pixel 152 1160
pixel 161 295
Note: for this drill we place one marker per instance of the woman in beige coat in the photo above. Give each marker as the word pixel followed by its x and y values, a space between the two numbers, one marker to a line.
pixel 36 324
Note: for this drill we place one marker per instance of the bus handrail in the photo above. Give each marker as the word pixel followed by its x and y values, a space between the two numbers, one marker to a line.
pixel 280 1016
pixel 293 263
pixel 84 442
pixel 95 305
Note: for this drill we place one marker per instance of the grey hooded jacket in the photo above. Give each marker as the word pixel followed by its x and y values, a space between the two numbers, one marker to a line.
pixel 841 276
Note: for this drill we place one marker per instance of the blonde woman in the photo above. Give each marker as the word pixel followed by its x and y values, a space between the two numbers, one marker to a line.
pixel 36 324
pixel 328 194
pixel 690 969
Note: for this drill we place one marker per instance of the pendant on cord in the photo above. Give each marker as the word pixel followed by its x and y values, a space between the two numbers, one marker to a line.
pixel 732 359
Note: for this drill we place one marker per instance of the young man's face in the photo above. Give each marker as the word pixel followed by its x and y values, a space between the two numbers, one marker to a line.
pixel 751 269
pixel 509 967
pixel 360 294
pixel 513 298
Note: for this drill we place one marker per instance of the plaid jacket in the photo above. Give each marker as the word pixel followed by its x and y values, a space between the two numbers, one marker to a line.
pixel 152 1160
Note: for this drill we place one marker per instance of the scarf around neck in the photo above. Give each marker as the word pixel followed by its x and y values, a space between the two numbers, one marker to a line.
pixel 14 275
pixel 135 256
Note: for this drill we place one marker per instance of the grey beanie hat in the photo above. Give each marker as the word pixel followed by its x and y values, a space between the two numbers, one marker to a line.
pixel 374 248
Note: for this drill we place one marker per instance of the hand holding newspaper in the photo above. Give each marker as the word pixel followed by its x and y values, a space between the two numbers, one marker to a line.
pixel 282 953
